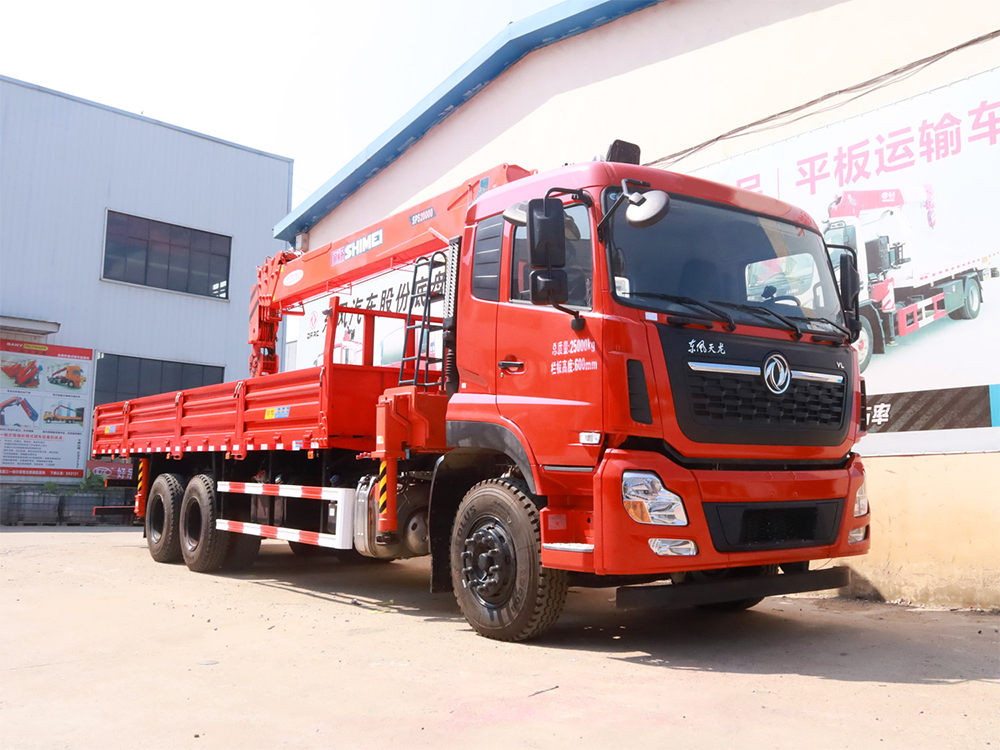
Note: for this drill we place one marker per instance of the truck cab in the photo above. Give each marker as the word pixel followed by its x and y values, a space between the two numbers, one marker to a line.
pixel 710 374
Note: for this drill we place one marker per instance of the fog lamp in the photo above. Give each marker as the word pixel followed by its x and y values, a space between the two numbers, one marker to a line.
pixel 646 500
pixel 861 501
pixel 857 535
pixel 682 547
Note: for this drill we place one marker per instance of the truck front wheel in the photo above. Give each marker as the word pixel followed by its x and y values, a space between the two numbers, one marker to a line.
pixel 203 546
pixel 973 302
pixel 162 512
pixel 496 569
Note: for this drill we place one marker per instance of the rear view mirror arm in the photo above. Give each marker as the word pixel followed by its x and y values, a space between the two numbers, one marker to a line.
pixel 618 202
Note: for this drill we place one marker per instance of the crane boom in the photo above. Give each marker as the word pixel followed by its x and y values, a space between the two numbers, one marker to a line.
pixel 287 279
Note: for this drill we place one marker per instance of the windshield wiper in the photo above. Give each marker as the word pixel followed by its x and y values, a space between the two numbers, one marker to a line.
pixel 720 315
pixel 796 331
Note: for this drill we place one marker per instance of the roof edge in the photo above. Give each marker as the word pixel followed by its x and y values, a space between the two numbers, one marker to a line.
pixel 150 120
pixel 515 41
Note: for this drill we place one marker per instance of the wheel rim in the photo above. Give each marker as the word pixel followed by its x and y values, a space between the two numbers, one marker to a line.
pixel 974 298
pixel 157 519
pixel 192 527
pixel 489 563
pixel 863 344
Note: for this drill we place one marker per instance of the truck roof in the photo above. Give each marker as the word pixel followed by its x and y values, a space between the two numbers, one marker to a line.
pixel 600 173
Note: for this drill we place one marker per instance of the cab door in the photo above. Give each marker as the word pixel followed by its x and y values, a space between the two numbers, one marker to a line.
pixel 550 377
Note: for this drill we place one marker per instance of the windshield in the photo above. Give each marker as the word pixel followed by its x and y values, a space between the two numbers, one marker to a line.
pixel 750 266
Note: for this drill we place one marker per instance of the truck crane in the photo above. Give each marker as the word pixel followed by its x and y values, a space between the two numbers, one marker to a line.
pixel 24 373
pixel 29 410
pixel 611 404
pixel 70 376
pixel 65 414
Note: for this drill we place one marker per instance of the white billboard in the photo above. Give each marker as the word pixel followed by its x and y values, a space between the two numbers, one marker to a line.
pixel 46 397
pixel 914 187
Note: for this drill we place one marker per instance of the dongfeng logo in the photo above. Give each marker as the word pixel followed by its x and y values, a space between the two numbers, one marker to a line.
pixel 777 374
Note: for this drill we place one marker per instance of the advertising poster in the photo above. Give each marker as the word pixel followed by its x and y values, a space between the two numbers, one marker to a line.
pixel 914 188
pixel 46 396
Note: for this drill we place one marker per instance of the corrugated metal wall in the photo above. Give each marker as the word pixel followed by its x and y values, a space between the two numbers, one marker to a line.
pixel 64 162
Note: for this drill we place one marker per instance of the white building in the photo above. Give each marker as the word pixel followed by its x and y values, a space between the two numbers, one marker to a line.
pixel 129 237
pixel 801 100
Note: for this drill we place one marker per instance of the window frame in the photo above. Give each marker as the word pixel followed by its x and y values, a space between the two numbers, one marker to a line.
pixel 168 271
pixel 160 365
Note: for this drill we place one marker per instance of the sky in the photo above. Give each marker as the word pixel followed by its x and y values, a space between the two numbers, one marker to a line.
pixel 314 81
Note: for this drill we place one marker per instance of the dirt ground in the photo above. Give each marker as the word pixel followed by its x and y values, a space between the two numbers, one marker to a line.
pixel 102 648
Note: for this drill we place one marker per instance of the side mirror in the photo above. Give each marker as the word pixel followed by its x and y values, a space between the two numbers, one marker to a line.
pixel 517 214
pixel 850 288
pixel 645 209
pixel 546 234
pixel 549 287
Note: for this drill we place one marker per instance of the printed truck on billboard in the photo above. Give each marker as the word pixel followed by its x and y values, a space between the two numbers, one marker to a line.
pixel 911 279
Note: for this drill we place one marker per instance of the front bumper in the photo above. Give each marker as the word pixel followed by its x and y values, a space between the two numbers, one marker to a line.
pixel 720 506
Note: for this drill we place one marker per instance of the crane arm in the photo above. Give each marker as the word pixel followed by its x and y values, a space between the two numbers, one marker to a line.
pixel 287 279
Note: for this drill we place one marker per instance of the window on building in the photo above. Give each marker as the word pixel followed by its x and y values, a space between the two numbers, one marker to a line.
pixel 121 378
pixel 166 256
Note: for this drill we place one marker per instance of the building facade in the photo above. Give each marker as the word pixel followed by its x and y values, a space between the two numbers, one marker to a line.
pixel 128 249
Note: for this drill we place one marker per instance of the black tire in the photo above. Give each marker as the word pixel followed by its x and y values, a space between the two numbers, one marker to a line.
pixel 740 604
pixel 865 345
pixel 163 506
pixel 496 570
pixel 203 546
pixel 242 552
pixel 973 302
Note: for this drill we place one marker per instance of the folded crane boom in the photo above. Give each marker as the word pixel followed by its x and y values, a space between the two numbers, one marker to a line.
pixel 288 279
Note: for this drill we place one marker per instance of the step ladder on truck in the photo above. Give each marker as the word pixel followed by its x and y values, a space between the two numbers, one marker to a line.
pixel 606 403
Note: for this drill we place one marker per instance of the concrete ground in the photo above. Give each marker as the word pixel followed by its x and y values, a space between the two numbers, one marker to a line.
pixel 102 648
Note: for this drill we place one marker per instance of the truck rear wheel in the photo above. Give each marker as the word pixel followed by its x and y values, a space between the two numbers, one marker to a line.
pixel 496 569
pixel 203 546
pixel 973 302
pixel 163 507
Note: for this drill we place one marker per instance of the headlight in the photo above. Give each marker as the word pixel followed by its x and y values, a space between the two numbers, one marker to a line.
pixel 647 501
pixel 857 535
pixel 861 501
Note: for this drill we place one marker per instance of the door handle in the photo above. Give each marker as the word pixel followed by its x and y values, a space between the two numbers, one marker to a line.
pixel 511 365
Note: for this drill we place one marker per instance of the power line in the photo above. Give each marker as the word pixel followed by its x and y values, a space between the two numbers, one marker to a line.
pixel 860 89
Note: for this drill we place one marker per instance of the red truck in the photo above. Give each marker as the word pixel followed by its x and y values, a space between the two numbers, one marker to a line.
pixel 614 404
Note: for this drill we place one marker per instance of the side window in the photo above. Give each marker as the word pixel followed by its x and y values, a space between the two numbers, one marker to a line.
pixel 579 260
pixel 486 259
